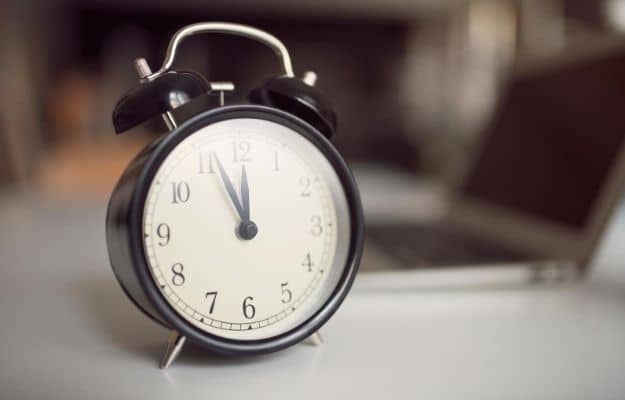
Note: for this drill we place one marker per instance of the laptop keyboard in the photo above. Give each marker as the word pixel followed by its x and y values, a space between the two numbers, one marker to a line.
pixel 437 244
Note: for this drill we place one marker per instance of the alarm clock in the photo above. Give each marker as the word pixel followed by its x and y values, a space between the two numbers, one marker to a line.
pixel 241 229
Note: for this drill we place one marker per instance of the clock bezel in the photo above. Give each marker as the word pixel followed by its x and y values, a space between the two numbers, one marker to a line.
pixel 165 311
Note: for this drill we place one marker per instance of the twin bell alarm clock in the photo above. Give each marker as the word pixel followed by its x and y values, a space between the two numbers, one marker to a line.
pixel 241 228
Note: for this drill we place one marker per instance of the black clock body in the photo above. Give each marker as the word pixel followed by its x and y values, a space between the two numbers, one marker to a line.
pixel 125 233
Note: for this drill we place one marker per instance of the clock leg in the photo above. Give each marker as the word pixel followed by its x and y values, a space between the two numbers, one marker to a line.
pixel 174 345
pixel 315 339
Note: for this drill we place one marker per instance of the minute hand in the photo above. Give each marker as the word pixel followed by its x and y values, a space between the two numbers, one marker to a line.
pixel 230 188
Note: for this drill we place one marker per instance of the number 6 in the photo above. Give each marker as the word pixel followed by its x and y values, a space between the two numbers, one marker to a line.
pixel 248 309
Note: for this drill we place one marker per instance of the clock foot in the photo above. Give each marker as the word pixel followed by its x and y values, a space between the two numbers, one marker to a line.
pixel 315 339
pixel 174 345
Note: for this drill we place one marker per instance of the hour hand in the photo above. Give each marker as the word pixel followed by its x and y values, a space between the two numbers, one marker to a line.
pixel 229 188
pixel 247 228
pixel 245 195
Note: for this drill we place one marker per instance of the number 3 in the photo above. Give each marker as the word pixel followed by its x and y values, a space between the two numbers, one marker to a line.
pixel 317 229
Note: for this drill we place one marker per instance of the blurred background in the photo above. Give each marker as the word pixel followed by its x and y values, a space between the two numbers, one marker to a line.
pixel 425 73
pixel 415 85
pixel 413 82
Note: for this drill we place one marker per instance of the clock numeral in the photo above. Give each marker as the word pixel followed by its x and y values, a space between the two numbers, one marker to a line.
pixel 163 232
pixel 214 295
pixel 308 262
pixel 276 164
pixel 304 183
pixel 248 308
pixel 178 278
pixel 207 163
pixel 241 151
pixel 286 293
pixel 316 229
pixel 180 192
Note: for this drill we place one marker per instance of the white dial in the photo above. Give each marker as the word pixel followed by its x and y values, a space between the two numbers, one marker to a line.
pixel 246 229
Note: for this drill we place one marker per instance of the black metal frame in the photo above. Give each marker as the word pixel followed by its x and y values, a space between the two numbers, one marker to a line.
pixel 125 232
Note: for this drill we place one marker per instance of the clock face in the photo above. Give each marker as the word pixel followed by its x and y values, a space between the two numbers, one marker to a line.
pixel 246 229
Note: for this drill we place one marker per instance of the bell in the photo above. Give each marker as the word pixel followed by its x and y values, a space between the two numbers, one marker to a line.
pixel 151 98
pixel 300 98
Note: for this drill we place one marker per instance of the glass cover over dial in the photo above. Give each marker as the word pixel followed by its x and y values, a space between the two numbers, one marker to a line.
pixel 246 229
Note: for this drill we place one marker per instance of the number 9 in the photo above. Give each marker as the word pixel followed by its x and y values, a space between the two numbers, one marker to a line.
pixel 162 231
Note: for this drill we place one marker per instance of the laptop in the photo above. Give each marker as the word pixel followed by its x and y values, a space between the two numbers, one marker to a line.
pixel 536 195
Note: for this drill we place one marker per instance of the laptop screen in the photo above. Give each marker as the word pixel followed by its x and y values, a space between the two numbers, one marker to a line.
pixel 553 140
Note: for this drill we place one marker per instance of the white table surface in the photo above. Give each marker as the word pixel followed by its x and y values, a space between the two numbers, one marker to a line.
pixel 68 332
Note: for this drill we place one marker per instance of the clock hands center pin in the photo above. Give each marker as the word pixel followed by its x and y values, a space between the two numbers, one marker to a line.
pixel 247 229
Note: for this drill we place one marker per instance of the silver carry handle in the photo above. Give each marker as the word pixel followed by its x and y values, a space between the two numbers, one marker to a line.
pixel 229 28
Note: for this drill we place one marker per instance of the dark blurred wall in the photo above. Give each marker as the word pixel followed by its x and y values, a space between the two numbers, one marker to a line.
pixel 357 60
